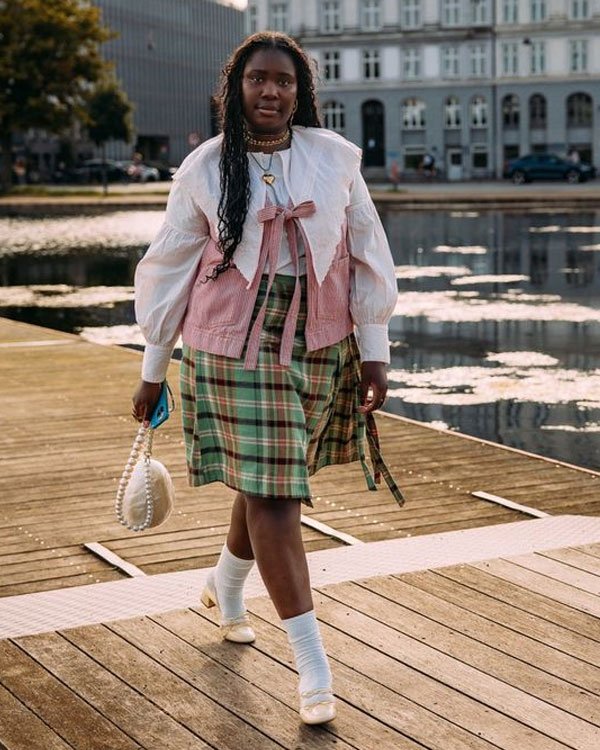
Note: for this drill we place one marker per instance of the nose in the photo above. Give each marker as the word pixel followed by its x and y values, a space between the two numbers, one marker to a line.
pixel 269 90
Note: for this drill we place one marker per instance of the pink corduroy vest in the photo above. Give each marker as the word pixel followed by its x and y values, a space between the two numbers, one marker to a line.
pixel 217 319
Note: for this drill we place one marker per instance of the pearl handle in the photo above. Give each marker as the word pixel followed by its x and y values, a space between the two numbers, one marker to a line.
pixel 143 441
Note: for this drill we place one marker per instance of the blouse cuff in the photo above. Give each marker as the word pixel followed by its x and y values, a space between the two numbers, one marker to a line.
pixel 373 342
pixel 156 362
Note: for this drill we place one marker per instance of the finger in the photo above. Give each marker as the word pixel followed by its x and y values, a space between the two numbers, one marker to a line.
pixel 364 390
pixel 375 402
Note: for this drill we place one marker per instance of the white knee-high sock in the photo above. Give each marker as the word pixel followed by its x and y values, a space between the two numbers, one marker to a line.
pixel 311 660
pixel 230 575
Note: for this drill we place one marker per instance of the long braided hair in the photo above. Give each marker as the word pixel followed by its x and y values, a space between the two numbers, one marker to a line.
pixel 233 164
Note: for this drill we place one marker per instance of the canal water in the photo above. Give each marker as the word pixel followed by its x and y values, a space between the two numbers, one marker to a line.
pixel 496 332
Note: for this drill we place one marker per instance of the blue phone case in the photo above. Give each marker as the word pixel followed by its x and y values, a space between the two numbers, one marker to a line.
pixel 161 410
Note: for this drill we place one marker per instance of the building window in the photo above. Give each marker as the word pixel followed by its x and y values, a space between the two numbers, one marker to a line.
pixel 452 114
pixel 371 15
pixel 480 157
pixel 510 11
pixel 413 114
pixel 411 14
pixel 334 116
pixel 510 58
pixel 331 16
pixel 537 10
pixel 450 61
pixel 511 111
pixel 451 12
pixel 371 67
pixel 579 111
pixel 331 66
pixel 412 63
pixel 578 55
pixel 479 117
pixel 413 157
pixel 478 12
pixel 252 19
pixel 278 19
pixel 478 60
pixel 537 111
pixel 579 10
pixel 538 58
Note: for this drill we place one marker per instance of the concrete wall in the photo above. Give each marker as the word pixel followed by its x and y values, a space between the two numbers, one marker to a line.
pixel 168 56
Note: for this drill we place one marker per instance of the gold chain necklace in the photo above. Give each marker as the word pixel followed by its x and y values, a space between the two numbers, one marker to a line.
pixel 275 142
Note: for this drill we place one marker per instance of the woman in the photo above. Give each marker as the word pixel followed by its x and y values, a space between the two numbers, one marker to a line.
pixel 270 256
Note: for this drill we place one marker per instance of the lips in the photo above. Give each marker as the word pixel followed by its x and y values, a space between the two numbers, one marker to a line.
pixel 267 109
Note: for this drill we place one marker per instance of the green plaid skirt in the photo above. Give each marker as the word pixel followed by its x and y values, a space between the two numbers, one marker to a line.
pixel 263 432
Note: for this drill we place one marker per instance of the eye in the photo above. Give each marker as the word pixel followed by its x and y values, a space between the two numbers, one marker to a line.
pixel 255 78
pixel 284 82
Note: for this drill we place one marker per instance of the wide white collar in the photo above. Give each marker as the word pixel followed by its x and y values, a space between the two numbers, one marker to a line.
pixel 321 166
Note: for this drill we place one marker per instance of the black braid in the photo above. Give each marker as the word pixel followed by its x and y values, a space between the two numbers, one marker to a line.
pixel 233 164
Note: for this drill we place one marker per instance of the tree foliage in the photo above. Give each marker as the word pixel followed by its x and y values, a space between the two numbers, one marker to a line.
pixel 109 114
pixel 50 62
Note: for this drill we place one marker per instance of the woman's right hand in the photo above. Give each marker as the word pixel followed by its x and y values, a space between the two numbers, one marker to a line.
pixel 144 400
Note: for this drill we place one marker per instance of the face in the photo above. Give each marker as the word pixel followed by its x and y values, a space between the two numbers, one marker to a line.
pixel 269 91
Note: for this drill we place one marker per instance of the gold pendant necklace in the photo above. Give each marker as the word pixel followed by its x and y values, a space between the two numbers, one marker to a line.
pixel 266 176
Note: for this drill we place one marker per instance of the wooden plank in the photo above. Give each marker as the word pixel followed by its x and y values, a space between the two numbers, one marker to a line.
pixel 139 718
pixel 60 708
pixel 358 693
pixel 532 712
pixel 559 571
pixel 469 600
pixel 576 558
pixel 213 703
pixel 21 729
pixel 557 678
pixel 541 584
pixel 31 587
pixel 368 651
pixel 590 549
pixel 520 597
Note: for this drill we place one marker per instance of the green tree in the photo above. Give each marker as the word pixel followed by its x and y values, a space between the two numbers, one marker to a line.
pixel 49 63
pixel 109 117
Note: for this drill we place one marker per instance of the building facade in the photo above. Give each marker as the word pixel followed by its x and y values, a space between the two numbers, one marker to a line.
pixel 168 56
pixel 473 82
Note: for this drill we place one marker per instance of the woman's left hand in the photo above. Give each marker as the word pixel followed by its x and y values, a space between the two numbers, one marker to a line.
pixel 373 378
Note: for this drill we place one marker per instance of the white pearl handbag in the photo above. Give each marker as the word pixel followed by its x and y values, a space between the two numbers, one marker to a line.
pixel 145 494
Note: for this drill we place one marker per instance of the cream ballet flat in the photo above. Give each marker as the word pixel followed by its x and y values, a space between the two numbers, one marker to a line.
pixel 237 629
pixel 318 712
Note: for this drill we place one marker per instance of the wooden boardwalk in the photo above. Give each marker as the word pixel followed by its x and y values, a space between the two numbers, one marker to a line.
pixel 65 436
pixel 503 653
pixel 461 625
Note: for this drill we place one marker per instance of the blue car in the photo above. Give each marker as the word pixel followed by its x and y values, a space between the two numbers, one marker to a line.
pixel 547 167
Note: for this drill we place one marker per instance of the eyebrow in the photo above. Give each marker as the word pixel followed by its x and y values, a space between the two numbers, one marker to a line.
pixel 279 73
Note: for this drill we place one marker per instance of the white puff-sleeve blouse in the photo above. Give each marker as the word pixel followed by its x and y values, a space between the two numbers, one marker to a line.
pixel 165 276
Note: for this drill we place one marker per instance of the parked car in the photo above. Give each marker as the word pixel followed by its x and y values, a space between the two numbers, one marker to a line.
pixel 165 172
pixel 138 172
pixel 90 171
pixel 547 167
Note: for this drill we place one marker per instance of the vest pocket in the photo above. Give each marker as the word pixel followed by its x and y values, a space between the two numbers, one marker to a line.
pixel 219 302
pixel 333 296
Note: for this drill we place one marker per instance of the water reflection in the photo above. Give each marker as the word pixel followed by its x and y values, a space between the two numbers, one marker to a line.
pixel 512 346
pixel 496 332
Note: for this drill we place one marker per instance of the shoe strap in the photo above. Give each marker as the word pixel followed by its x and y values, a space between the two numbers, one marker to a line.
pixel 319 691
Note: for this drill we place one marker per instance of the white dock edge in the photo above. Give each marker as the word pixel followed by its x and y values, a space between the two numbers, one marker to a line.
pixel 145 595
